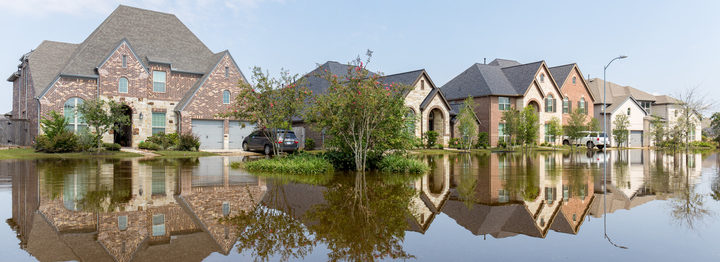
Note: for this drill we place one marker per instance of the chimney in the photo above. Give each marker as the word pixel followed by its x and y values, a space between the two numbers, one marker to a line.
pixel 484 60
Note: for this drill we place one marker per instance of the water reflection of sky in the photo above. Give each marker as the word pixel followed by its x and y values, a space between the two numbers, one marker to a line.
pixel 468 207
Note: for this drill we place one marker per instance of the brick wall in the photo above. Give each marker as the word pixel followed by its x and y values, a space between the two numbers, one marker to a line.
pixel 575 91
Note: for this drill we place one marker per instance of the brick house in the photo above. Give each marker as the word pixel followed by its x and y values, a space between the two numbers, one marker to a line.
pixel 167 79
pixel 505 84
pixel 424 101
pixel 575 91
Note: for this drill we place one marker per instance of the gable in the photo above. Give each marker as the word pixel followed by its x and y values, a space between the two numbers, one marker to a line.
pixel 224 59
pixel 576 73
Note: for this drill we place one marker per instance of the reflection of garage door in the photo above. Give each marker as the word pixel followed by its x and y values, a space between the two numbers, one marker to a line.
pixel 237 133
pixel 210 133
pixel 636 138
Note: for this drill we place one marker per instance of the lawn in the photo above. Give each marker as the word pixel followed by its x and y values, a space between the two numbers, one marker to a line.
pixel 29 153
pixel 181 154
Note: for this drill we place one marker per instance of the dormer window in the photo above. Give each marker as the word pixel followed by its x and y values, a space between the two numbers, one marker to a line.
pixel 227 72
pixel 574 80
pixel 159 81
pixel 124 61
pixel 542 78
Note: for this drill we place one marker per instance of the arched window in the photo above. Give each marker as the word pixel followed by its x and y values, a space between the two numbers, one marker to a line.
pixel 410 121
pixel 574 80
pixel 226 97
pixel 542 78
pixel 123 85
pixel 550 103
pixel 628 111
pixel 566 105
pixel 74 118
pixel 582 105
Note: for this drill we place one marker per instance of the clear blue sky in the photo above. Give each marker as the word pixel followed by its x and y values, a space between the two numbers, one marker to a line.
pixel 672 45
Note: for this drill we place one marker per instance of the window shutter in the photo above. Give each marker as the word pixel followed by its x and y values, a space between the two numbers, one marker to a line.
pixel 569 107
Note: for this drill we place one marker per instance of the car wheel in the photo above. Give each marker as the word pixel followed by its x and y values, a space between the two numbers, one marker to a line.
pixel 566 143
pixel 268 150
pixel 590 145
pixel 245 147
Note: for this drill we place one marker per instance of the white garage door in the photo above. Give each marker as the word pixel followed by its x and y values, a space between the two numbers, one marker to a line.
pixel 636 138
pixel 237 133
pixel 210 133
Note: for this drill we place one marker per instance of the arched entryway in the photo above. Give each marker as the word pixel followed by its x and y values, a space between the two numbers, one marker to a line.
pixel 123 134
pixel 436 121
pixel 535 104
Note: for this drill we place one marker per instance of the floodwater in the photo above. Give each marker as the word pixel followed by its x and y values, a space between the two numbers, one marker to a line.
pixel 545 206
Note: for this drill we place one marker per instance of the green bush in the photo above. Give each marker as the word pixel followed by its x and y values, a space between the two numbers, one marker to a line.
pixel 703 144
pixel 301 164
pixel 149 145
pixel 164 140
pixel 482 140
pixel 455 143
pixel 86 141
pixel 401 164
pixel 188 142
pixel 344 160
pixel 111 146
pixel 430 138
pixel 62 142
pixel 309 144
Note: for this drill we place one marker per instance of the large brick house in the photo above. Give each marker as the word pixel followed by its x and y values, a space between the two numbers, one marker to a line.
pixel 168 80
pixel 424 101
pixel 575 91
pixel 505 84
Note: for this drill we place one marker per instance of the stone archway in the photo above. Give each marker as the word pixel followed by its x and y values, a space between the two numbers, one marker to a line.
pixel 436 121
pixel 123 134
pixel 535 104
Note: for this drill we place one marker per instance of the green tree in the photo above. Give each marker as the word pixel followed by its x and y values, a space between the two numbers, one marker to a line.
pixel 593 125
pixel 271 103
pixel 715 126
pixel 575 126
pixel 361 114
pixel 529 126
pixel 512 120
pixel 692 106
pixel 467 126
pixel 554 128
pixel 620 131
pixel 53 124
pixel 657 130
pixel 102 117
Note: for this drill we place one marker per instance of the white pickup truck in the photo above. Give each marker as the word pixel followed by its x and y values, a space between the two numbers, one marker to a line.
pixel 591 139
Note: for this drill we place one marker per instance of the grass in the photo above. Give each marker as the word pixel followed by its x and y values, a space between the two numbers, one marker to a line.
pixel 29 153
pixel 181 154
pixel 402 164
pixel 295 165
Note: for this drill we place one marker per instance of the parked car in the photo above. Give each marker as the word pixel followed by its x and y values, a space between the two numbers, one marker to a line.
pixel 591 139
pixel 260 141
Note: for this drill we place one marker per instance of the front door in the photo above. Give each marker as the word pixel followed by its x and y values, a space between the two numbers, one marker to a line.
pixel 123 133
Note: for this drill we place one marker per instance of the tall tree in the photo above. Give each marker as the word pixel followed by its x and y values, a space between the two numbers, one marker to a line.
pixel 271 103
pixel 575 126
pixel 467 125
pixel 512 121
pixel 361 114
pixel 554 129
pixel 715 126
pixel 530 125
pixel 692 106
pixel 102 117
pixel 593 125
pixel 620 131
pixel 657 130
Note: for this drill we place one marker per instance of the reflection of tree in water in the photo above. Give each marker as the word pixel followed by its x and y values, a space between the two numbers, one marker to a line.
pixel 468 179
pixel 715 186
pixel 365 221
pixel 620 166
pixel 522 176
pixel 687 205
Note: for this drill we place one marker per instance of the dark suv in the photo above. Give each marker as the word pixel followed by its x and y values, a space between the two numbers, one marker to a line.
pixel 260 141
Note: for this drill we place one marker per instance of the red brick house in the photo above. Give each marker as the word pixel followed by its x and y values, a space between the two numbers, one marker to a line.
pixel 168 80
pixel 575 90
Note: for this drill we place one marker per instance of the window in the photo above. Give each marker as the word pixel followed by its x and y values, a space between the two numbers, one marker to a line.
pixel 566 193
pixel 124 61
pixel 123 85
pixel 122 222
pixel 159 81
pixel 502 137
pixel 503 196
pixel 504 103
pixel 226 97
pixel 550 194
pixel 158 122
pixel 227 72
pixel 542 78
pixel 74 118
pixel 566 106
pixel 628 111
pixel 582 106
pixel 550 103
pixel 158 225
pixel 647 105
pixel 158 180
pixel 676 112
pixel 422 84
pixel 574 80
pixel 548 137
pixel 410 121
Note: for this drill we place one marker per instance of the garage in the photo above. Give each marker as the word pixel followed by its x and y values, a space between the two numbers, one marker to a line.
pixel 237 132
pixel 210 133
pixel 636 138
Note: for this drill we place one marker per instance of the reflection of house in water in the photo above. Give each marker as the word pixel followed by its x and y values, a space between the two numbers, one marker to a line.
pixel 506 195
pixel 123 210
pixel 432 190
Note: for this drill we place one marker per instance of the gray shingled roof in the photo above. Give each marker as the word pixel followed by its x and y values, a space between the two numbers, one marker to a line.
pixel 504 62
pixel 664 99
pixel 46 61
pixel 315 82
pixel 491 79
pixel 616 91
pixel 561 73
pixel 407 78
pixel 153 34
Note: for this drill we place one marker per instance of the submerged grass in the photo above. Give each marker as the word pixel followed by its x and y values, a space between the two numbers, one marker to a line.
pixel 182 154
pixel 402 164
pixel 29 153
pixel 295 164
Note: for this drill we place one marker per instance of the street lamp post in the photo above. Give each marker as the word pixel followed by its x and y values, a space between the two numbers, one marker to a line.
pixel 604 112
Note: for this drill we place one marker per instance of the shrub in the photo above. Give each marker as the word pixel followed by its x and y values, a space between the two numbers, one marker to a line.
pixel 111 146
pixel 86 141
pixel 164 140
pixel 455 143
pixel 430 138
pixel 417 142
pixel 301 164
pixel 309 144
pixel 54 124
pixel 345 161
pixel 62 142
pixel 400 164
pixel 704 144
pixel 149 145
pixel 502 144
pixel 188 142
pixel 482 140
